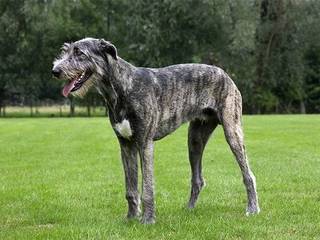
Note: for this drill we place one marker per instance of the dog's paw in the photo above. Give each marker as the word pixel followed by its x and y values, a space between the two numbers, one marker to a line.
pixel 252 210
pixel 148 220
pixel 191 205
pixel 133 215
pixel 134 212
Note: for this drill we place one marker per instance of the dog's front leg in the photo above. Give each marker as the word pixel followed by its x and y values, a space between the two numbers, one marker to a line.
pixel 146 156
pixel 130 166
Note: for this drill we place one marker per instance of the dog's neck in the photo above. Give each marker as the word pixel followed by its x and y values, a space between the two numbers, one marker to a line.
pixel 117 81
pixel 120 74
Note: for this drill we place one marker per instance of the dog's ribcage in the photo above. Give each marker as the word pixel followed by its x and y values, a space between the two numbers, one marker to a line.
pixel 183 92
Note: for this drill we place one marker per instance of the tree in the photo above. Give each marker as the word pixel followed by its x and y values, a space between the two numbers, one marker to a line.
pixel 268 47
pixel 12 24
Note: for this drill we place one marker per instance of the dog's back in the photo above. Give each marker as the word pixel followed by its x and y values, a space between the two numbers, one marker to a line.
pixel 184 92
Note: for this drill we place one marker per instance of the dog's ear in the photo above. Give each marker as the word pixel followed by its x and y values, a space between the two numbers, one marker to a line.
pixel 108 48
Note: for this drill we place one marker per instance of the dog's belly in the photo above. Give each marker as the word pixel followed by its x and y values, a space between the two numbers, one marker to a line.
pixel 170 119
pixel 168 124
pixel 165 128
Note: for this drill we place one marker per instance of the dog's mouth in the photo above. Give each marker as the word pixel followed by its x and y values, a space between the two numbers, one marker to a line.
pixel 76 83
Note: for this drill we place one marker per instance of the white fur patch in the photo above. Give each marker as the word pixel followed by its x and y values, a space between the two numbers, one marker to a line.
pixel 124 128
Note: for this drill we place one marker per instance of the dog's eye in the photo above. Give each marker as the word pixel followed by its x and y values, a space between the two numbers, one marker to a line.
pixel 77 51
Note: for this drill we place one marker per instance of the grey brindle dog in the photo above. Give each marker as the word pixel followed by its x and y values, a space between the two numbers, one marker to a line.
pixel 147 104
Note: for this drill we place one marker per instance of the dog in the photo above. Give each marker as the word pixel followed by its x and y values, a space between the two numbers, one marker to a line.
pixel 147 104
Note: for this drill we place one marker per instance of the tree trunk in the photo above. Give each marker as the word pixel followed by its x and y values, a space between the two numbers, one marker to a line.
pixel 302 107
pixel 36 107
pixel 72 107
pixel 268 30
pixel 94 105
pixel 31 108
pixel 261 42
pixel 89 101
pixel 2 103
pixel 88 110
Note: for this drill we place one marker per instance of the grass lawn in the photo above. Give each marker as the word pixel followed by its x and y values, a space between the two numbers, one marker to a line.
pixel 61 178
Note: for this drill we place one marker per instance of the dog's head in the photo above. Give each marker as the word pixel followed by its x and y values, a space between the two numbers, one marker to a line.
pixel 83 63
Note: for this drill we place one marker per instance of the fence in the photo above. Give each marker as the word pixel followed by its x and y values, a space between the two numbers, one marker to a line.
pixel 53 111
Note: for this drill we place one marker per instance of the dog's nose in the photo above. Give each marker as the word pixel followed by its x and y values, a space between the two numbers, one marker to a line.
pixel 56 72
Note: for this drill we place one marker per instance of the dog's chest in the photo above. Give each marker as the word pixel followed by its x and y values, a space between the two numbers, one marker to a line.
pixel 121 122
pixel 123 128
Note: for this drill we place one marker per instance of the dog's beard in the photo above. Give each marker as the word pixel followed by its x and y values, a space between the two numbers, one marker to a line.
pixel 90 73
pixel 83 90
pixel 80 80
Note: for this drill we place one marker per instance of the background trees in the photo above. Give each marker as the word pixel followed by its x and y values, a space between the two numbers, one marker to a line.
pixel 269 47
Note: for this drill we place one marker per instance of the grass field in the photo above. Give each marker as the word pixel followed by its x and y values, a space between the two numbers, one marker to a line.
pixel 62 179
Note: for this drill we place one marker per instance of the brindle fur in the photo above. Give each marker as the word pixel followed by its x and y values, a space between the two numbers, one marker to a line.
pixel 155 102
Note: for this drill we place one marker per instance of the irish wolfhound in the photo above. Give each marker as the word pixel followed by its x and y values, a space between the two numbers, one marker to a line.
pixel 147 104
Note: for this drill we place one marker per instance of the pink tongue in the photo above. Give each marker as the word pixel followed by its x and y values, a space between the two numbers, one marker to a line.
pixel 67 88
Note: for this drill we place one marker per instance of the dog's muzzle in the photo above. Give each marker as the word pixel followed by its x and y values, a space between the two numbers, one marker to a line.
pixel 56 72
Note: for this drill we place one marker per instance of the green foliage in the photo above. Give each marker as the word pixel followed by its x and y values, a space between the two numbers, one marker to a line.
pixel 169 32
pixel 265 46
pixel 312 87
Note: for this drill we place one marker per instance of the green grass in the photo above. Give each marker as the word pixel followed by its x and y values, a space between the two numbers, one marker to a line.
pixel 62 179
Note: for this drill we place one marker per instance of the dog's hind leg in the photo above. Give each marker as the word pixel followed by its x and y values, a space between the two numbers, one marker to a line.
pixel 130 166
pixel 231 121
pixel 198 135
